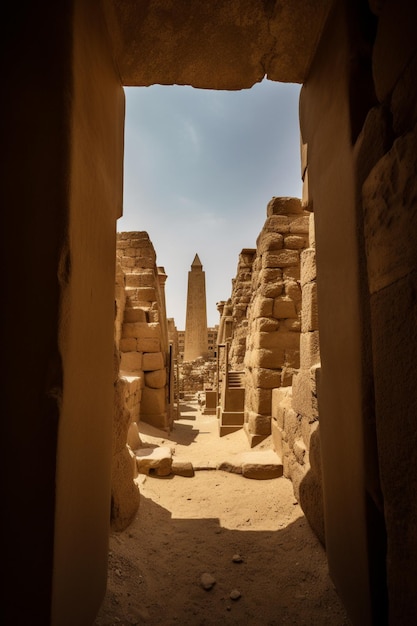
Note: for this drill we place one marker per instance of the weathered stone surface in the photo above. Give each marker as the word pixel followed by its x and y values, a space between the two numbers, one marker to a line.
pixel 283 206
pixel 262 307
pixel 309 312
pixel 282 258
pixel 232 47
pixel 300 225
pixel 261 465
pixel 284 307
pixel 266 378
pixel 309 349
pixel 184 468
pixel 131 361
pixel 389 199
pixel 153 401
pixel 295 242
pixel 308 270
pixel 258 424
pixel 152 361
pixel 270 241
pixel 133 437
pixel 148 344
pixel 134 314
pixel 304 401
pixel 128 344
pixel 124 492
pixel 156 379
pixel 157 461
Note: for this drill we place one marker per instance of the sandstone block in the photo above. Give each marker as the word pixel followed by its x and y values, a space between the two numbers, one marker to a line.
pixel 124 492
pixel 300 225
pixel 284 308
pixel 261 400
pixel 262 307
pixel 258 424
pixel 156 461
pixel 266 324
pixel 390 211
pixel 281 400
pixel 291 273
pixel 300 451
pixel 283 206
pixel 309 311
pixel 272 290
pixel 131 361
pixel 153 401
pixel 308 270
pixel 279 339
pixel 153 361
pixel 295 242
pixel 143 278
pixel 292 324
pixel 269 358
pixel 312 231
pixel 270 275
pixel 309 349
pixel 156 379
pixel 291 427
pixel 304 401
pixel 127 344
pixel 306 199
pixel 182 468
pixel 148 344
pixel 147 294
pixel 266 378
pixel 134 314
pixel 269 241
pixel 275 224
pixel 276 433
pixel 261 465
pixel 293 290
pixel 281 258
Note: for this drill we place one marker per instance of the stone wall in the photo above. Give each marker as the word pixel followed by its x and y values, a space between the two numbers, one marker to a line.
pixel 143 345
pixel 295 425
pixel 274 313
pixel 237 308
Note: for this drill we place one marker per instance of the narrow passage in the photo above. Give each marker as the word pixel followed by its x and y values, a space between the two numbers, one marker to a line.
pixel 245 539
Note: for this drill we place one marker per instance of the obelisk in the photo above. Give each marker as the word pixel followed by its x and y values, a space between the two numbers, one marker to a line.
pixel 196 338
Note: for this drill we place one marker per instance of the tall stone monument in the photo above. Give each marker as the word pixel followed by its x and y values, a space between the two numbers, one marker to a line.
pixel 196 338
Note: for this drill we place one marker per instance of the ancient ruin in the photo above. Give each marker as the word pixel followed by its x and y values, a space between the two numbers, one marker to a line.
pixel 64 67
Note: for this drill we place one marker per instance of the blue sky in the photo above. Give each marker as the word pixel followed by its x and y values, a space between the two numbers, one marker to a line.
pixel 200 168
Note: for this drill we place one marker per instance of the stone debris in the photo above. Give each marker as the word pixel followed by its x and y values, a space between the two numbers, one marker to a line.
pixel 185 469
pixel 157 461
pixel 235 594
pixel 237 558
pixel 207 581
pixel 261 465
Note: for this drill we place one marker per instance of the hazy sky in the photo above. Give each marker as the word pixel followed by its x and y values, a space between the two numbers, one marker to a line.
pixel 200 168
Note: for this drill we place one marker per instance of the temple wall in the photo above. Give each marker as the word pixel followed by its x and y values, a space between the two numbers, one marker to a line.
pixel 144 349
pixel 274 313
pixel 239 302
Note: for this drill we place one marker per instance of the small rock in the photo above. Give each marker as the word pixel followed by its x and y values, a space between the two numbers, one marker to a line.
pixel 237 558
pixel 235 594
pixel 207 581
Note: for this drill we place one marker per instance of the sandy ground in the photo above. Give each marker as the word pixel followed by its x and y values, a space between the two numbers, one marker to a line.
pixel 250 537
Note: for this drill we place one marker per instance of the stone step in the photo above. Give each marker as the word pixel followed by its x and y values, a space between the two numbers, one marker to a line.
pixel 232 417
